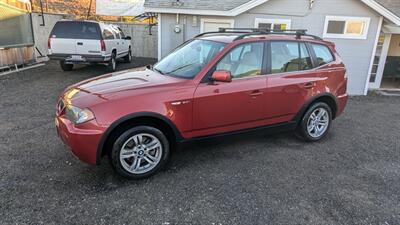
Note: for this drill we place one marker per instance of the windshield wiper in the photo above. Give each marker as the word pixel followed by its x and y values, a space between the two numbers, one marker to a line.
pixel 181 67
pixel 159 71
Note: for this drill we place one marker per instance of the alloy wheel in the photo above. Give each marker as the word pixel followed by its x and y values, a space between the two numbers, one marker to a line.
pixel 318 122
pixel 141 153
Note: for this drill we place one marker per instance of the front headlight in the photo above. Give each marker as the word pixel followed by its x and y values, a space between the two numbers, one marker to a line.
pixel 77 115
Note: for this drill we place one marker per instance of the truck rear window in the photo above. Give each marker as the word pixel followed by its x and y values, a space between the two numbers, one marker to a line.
pixel 76 30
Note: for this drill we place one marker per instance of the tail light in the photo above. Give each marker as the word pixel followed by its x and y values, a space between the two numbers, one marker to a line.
pixel 103 45
pixel 49 43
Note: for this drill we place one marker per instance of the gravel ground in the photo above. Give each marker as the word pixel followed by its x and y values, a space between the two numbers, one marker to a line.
pixel 351 177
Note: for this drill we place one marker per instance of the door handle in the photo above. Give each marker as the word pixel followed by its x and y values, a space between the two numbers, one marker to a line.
pixel 309 85
pixel 79 43
pixel 256 93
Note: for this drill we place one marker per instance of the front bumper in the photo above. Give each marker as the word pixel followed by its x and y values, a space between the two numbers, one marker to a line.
pixel 83 139
pixel 81 59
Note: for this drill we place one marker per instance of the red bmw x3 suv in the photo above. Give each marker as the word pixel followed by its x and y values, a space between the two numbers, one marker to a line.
pixel 222 82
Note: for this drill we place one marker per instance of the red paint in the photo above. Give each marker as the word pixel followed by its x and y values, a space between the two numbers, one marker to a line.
pixel 199 108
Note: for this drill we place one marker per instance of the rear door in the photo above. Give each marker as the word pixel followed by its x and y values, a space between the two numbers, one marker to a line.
pixel 291 79
pixel 76 38
pixel 62 41
pixel 88 40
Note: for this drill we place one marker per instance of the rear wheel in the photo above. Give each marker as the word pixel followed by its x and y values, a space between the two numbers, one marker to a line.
pixel 140 152
pixel 112 64
pixel 315 123
pixel 66 67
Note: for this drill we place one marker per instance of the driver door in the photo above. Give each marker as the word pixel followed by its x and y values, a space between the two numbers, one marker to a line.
pixel 223 107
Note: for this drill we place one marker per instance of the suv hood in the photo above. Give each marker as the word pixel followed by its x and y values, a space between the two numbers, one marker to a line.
pixel 117 85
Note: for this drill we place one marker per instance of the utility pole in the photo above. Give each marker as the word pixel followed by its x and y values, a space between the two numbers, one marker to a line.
pixel 90 7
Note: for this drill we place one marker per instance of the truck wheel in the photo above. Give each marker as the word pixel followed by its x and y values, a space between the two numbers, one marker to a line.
pixel 66 67
pixel 140 152
pixel 128 58
pixel 315 123
pixel 112 64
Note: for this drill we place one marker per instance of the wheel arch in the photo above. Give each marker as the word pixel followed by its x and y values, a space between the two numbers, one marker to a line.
pixel 327 98
pixel 143 118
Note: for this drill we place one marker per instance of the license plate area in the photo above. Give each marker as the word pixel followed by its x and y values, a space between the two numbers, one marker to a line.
pixel 76 58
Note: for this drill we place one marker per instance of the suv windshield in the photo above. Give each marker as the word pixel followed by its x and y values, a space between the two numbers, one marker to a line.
pixel 188 60
pixel 76 30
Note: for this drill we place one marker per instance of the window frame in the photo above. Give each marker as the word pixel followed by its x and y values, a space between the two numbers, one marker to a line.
pixel 310 51
pixel 264 66
pixel 214 20
pixel 347 19
pixel 288 22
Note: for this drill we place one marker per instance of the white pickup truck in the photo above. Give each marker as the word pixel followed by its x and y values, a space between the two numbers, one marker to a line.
pixel 88 42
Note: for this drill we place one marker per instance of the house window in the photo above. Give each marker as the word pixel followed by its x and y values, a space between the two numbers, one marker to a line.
pixel 209 25
pixel 346 27
pixel 272 24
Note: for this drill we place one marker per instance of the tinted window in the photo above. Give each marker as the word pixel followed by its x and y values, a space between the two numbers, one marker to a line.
pixel 76 30
pixel 107 34
pixel 244 60
pixel 188 60
pixel 323 54
pixel 289 57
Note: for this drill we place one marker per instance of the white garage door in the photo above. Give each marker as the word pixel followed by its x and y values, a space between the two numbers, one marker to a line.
pixel 208 25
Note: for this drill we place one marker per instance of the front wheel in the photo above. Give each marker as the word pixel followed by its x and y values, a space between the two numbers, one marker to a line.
pixel 315 123
pixel 140 152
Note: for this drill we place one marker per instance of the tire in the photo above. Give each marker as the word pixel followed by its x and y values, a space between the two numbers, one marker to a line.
pixel 312 130
pixel 128 58
pixel 66 67
pixel 112 64
pixel 131 155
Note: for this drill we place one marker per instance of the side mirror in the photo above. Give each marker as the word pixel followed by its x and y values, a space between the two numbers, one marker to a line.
pixel 128 38
pixel 222 76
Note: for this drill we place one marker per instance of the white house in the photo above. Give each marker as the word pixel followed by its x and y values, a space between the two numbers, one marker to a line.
pixel 366 32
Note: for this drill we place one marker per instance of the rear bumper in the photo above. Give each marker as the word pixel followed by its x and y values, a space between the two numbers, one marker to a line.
pixel 83 139
pixel 68 58
pixel 341 102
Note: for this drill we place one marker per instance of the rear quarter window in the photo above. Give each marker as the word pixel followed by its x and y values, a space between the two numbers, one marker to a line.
pixel 76 30
pixel 323 54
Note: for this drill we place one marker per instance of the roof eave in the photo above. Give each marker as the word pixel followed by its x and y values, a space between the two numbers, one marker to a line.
pixel 383 11
pixel 228 13
pixel 253 3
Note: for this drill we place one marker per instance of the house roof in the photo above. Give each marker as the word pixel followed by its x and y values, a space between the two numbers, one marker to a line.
pixel 390 9
pixel 391 5
pixel 196 4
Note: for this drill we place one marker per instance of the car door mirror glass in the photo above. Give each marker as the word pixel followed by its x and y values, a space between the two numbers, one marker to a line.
pixel 222 76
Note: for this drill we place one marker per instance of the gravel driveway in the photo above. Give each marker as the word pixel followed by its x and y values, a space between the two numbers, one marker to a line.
pixel 351 177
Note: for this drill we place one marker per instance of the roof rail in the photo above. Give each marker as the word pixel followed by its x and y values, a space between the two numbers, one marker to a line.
pixel 245 32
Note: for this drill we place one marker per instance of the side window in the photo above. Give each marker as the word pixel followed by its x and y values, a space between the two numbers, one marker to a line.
pixel 244 60
pixel 323 54
pixel 122 33
pixel 289 56
pixel 118 35
pixel 107 34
